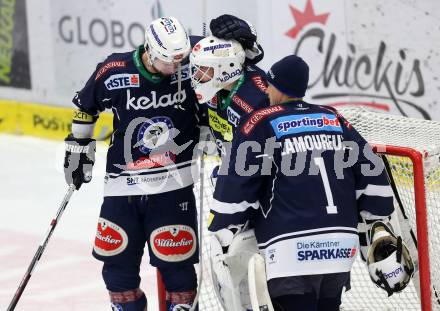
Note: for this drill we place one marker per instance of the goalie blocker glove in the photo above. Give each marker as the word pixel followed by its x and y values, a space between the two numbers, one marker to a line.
pixel 79 160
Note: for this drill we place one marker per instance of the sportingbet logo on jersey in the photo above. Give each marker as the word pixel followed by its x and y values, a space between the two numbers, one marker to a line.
pixel 295 124
pixel 122 81
pixel 324 250
pixel 153 102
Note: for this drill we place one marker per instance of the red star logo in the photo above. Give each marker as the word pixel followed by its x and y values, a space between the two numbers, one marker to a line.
pixel 304 18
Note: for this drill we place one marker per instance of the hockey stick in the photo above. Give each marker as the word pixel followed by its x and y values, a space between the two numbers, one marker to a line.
pixel 406 222
pixel 40 249
pixel 202 182
pixel 258 291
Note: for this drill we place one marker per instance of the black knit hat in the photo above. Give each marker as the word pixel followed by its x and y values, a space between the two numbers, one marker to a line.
pixel 290 76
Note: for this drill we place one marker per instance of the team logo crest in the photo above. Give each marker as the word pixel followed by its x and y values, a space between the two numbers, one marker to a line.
pixel 154 133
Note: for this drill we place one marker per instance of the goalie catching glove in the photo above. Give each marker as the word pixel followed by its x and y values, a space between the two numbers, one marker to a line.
pixel 389 262
pixel 231 27
pixel 79 160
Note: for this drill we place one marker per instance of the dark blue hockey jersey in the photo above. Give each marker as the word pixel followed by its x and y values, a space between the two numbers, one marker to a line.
pixel 155 127
pixel 226 109
pixel 303 174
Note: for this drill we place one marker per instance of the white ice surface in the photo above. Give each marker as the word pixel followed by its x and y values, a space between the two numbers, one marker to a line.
pixel 31 188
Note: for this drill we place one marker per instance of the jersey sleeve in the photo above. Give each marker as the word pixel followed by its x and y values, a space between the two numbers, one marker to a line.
pixel 240 180
pixel 94 97
pixel 373 192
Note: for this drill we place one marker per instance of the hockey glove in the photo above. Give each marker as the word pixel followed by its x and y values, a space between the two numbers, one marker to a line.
pixel 231 27
pixel 79 160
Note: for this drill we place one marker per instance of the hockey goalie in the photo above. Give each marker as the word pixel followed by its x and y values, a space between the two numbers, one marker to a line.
pixel 303 175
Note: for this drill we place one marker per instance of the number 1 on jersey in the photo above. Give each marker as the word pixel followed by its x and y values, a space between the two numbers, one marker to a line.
pixel 331 207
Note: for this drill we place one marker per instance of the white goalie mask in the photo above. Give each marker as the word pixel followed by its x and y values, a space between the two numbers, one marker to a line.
pixel 215 63
pixel 167 44
pixel 389 262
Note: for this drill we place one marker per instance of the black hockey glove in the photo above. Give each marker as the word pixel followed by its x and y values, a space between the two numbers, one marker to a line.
pixel 230 27
pixel 79 160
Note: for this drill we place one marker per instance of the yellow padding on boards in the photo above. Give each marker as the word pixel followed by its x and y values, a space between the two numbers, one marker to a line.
pixel 46 121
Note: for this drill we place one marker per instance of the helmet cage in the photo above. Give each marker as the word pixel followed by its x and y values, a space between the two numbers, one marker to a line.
pixel 225 57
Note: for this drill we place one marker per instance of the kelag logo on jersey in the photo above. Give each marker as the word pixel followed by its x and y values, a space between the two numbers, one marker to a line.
pixel 317 250
pixel 122 81
pixel 153 102
pixel 295 124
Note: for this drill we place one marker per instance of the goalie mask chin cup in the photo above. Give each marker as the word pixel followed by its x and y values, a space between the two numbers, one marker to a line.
pixel 167 43
pixel 389 263
pixel 224 59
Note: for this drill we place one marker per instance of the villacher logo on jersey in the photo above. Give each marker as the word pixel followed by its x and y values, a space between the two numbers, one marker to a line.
pixel 166 100
pixel 110 239
pixel 173 243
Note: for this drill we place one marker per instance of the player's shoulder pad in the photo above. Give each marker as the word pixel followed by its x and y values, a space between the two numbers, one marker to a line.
pixel 255 118
pixel 340 117
pixel 113 63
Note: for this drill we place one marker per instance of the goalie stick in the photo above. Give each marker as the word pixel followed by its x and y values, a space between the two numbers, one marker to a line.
pixel 258 291
pixel 407 231
pixel 40 249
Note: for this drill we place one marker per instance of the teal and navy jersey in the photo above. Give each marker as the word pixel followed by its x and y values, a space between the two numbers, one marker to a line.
pixel 303 174
pixel 155 127
pixel 224 111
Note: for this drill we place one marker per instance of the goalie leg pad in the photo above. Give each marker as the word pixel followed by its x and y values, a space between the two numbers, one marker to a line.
pixel 229 271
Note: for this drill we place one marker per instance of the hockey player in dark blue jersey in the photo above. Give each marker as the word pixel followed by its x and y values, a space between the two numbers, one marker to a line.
pixel 303 174
pixel 227 85
pixel 148 191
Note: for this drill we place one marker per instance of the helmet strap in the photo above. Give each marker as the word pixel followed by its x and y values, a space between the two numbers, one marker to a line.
pixel 384 282
pixel 399 250
pixel 227 102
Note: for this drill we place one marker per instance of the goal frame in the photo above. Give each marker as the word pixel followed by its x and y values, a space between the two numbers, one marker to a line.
pixel 416 158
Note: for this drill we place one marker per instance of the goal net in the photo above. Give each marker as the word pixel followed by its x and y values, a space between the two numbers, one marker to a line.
pixel 412 150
